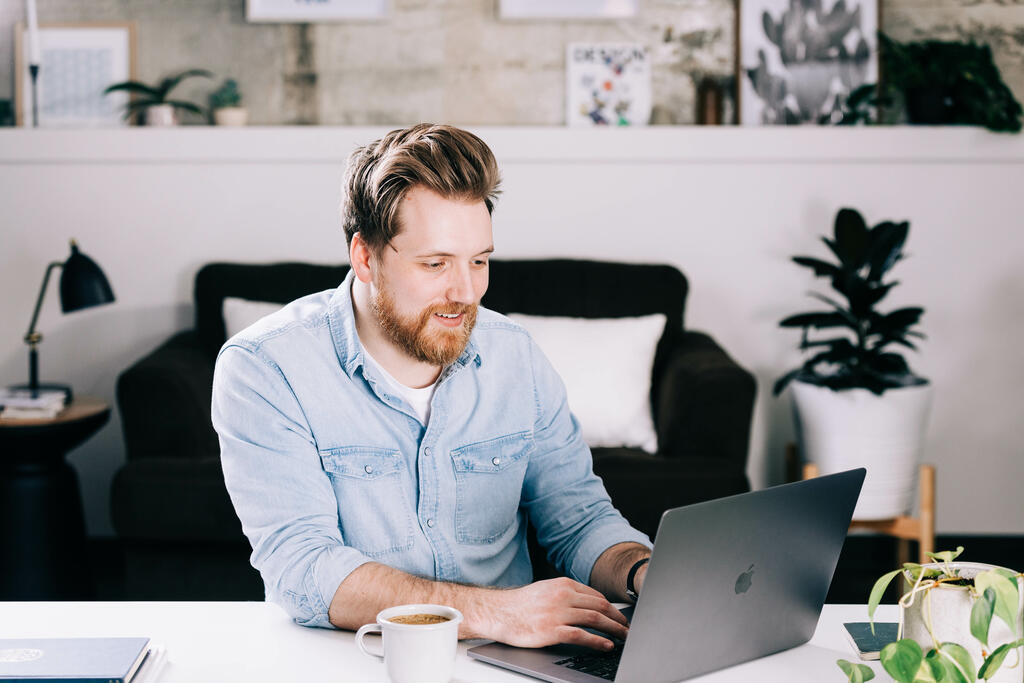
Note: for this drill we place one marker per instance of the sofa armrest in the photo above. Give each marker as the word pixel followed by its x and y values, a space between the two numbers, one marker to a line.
pixel 164 400
pixel 705 403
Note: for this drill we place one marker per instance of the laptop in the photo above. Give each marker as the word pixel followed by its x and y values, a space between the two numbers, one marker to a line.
pixel 729 580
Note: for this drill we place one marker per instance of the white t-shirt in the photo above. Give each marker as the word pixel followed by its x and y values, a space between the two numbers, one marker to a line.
pixel 418 399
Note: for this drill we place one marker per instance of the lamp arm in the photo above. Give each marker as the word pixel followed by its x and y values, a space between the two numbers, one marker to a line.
pixel 30 336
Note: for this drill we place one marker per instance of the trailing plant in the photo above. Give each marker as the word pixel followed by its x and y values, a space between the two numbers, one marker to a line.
pixel 995 594
pixel 856 353
pixel 145 96
pixel 936 82
pixel 227 95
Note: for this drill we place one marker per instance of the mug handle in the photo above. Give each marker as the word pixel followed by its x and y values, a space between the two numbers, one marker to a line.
pixel 363 630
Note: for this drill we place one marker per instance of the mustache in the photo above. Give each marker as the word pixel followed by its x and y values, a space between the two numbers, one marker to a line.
pixel 450 309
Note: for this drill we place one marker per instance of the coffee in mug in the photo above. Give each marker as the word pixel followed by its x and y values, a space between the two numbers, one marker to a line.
pixel 420 642
pixel 419 619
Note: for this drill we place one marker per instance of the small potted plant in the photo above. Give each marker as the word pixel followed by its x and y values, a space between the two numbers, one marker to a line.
pixel 151 103
pixel 959 622
pixel 226 105
pixel 856 401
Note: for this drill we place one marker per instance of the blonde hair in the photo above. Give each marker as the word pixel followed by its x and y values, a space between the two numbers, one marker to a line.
pixel 450 161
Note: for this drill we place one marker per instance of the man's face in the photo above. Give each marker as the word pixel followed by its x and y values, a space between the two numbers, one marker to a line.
pixel 428 282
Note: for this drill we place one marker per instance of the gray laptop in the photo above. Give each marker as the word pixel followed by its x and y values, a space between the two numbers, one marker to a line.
pixel 729 580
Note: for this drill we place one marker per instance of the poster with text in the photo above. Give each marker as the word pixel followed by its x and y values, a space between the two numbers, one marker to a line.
pixel 609 84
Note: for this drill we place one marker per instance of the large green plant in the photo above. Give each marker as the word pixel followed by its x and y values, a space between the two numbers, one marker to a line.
pixel 936 82
pixel 995 595
pixel 146 96
pixel 856 352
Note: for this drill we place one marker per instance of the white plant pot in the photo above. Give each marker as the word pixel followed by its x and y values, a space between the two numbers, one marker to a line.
pixel 161 115
pixel 950 610
pixel 231 116
pixel 842 430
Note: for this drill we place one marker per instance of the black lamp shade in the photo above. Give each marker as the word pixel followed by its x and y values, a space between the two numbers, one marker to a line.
pixel 82 283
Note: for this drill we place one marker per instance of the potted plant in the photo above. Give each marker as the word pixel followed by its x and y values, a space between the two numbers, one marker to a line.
pixel 225 103
pixel 959 622
pixel 856 401
pixel 936 82
pixel 152 103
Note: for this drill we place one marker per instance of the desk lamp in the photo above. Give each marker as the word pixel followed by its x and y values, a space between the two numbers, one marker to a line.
pixel 82 285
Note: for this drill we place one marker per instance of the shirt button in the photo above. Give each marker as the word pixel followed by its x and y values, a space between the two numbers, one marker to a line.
pixel 368 469
pixel 426 451
pixel 496 461
pixel 430 523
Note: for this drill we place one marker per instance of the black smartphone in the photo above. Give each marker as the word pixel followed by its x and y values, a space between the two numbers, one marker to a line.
pixel 867 644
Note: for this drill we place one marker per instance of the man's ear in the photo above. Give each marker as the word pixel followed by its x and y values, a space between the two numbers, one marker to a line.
pixel 360 255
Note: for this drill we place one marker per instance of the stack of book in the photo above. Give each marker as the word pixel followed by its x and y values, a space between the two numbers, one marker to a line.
pixel 19 404
pixel 81 660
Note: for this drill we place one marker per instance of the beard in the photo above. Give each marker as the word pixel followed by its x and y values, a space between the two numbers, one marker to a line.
pixel 417 337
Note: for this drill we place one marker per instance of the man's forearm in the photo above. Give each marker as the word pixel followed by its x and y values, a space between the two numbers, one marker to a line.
pixel 373 587
pixel 612 568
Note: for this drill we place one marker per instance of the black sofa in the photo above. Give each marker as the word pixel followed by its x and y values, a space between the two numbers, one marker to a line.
pixel 180 534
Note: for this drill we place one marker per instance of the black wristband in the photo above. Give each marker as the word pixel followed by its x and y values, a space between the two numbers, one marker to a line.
pixel 630 586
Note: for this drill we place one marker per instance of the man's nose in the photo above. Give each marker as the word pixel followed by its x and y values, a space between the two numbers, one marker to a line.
pixel 460 286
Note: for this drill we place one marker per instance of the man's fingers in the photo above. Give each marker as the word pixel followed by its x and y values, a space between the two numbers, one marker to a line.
pixel 599 604
pixel 577 636
pixel 598 622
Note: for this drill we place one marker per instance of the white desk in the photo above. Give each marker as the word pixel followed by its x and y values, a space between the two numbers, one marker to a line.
pixel 255 641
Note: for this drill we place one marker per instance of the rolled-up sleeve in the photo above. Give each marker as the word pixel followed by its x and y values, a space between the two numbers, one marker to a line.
pixel 277 484
pixel 566 502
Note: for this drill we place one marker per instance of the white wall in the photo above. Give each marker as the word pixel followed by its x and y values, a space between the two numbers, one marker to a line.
pixel 727 206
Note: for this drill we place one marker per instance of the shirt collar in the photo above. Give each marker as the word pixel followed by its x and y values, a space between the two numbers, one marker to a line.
pixel 347 346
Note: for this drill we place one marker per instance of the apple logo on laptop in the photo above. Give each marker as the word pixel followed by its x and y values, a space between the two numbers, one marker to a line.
pixel 744 580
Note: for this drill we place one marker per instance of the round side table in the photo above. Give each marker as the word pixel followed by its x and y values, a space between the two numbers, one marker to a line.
pixel 42 528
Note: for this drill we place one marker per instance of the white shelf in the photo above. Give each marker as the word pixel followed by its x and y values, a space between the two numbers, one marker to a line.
pixel 656 144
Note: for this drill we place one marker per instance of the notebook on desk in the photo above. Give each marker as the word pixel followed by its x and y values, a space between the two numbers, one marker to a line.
pixel 78 660
pixel 729 580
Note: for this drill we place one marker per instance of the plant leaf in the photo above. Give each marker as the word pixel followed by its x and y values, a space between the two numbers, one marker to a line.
pixel 877 591
pixel 902 660
pixel 851 233
pixel 947 555
pixel 1007 599
pixel 132 87
pixel 981 615
pixel 902 318
pixel 995 660
pixel 957 662
pixel 934 663
pixel 187 106
pixel 887 241
pixel 817 320
pixel 170 82
pixel 783 381
pixel 855 673
pixel 821 268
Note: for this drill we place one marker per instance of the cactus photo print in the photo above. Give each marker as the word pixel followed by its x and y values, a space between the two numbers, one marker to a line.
pixel 798 60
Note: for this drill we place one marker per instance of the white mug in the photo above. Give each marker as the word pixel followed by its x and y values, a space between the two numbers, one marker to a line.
pixel 416 653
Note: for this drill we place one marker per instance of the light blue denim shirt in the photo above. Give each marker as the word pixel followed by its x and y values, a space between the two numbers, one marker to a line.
pixel 327 470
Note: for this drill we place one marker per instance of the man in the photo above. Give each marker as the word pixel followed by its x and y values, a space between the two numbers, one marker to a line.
pixel 385 442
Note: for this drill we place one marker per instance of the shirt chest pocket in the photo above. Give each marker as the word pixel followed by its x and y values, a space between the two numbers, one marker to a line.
pixel 488 485
pixel 371 485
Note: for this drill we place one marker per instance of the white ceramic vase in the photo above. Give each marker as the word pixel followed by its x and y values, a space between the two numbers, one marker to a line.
pixel 842 430
pixel 231 116
pixel 161 115
pixel 950 610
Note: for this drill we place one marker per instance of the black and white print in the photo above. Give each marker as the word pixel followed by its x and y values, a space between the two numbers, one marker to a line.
pixel 800 59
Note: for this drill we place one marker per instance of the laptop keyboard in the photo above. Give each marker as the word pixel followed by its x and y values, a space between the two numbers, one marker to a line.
pixel 600 664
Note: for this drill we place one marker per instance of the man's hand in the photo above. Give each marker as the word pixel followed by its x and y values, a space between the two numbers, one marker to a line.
pixel 551 612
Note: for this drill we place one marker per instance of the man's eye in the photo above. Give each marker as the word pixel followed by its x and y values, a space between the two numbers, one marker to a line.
pixel 434 266
pixel 479 262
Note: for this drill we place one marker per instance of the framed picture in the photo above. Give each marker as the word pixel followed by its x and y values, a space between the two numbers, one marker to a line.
pixel 567 9
pixel 798 61
pixel 78 62
pixel 285 11
pixel 608 84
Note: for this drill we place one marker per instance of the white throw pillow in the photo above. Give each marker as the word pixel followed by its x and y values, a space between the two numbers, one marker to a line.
pixel 606 365
pixel 240 313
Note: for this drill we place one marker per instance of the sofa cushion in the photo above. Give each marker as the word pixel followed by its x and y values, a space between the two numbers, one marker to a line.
pixel 605 364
